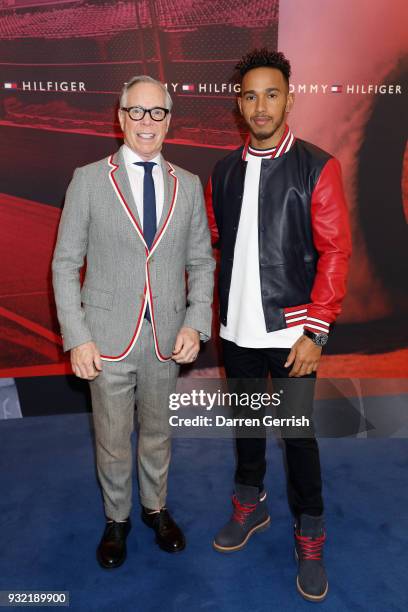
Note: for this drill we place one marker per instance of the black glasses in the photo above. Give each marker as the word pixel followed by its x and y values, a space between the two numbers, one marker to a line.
pixel 136 113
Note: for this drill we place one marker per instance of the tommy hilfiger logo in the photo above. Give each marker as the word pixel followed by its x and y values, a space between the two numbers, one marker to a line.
pixel 46 86
pixel 346 88
pixel 203 88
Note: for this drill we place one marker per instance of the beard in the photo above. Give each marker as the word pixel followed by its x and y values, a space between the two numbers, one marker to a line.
pixel 263 135
pixel 267 132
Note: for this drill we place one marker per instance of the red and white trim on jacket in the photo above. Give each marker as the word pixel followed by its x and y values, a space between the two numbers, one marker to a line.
pixel 317 325
pixel 147 290
pixel 283 146
pixel 297 315
pixel 260 152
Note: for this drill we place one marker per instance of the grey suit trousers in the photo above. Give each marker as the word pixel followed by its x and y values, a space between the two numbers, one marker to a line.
pixel 143 380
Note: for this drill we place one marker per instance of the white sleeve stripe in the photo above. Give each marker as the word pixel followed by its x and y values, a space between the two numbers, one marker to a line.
pixel 318 321
pixel 313 326
pixel 296 319
pixel 294 312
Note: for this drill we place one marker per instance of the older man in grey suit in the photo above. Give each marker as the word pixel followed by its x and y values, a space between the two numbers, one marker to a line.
pixel 141 224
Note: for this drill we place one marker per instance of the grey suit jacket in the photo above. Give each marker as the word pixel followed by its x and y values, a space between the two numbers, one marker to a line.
pixel 100 222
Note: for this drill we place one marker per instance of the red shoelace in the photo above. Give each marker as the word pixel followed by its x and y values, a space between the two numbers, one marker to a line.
pixel 241 511
pixel 311 548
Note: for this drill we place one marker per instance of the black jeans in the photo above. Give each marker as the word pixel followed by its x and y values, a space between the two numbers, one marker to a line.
pixel 302 454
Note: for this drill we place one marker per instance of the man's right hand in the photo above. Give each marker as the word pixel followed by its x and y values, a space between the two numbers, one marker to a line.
pixel 86 361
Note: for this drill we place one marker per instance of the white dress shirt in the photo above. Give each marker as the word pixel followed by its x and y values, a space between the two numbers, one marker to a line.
pixel 136 176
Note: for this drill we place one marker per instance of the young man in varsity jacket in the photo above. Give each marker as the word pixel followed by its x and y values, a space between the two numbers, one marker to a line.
pixel 277 213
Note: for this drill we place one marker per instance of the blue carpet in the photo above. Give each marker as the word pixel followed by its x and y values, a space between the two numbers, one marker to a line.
pixel 51 521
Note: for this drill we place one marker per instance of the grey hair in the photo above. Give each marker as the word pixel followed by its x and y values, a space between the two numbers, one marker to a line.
pixel 143 78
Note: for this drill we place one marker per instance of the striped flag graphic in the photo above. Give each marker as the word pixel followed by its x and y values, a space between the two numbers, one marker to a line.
pixel 10 85
pixel 188 87
pixel 336 88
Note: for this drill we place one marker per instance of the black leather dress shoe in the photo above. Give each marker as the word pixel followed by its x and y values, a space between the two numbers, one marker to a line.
pixel 168 535
pixel 111 551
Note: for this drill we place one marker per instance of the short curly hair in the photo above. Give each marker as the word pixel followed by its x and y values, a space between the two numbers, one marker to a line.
pixel 259 58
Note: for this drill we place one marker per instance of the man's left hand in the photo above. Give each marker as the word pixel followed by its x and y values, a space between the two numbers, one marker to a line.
pixel 187 345
pixel 305 355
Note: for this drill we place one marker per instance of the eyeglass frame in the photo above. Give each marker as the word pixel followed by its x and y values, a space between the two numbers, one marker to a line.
pixel 146 110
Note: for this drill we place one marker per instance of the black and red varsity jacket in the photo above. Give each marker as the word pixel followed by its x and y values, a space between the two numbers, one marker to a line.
pixel 303 231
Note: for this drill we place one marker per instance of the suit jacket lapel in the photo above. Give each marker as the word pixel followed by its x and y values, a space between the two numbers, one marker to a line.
pixel 122 180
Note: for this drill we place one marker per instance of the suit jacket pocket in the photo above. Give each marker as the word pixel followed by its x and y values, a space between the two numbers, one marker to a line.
pixel 97 297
